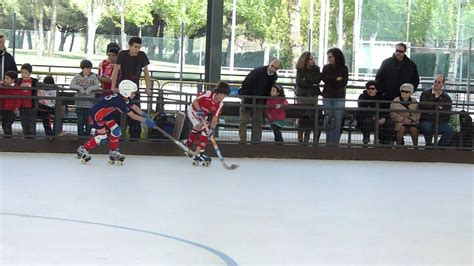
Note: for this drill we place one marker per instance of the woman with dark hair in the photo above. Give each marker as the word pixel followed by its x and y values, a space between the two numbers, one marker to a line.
pixel 335 76
pixel 308 77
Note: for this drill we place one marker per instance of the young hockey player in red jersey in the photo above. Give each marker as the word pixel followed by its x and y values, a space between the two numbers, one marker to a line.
pixel 206 104
pixel 101 117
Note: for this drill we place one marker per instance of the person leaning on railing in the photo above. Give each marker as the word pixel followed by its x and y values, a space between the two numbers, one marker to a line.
pixel 435 99
pixel 9 106
pixel 28 106
pixel 257 83
pixel 46 106
pixel 85 83
pixel 335 76
pixel 308 77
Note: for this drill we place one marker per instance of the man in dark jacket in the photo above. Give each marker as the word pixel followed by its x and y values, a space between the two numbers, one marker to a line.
pixel 435 99
pixel 394 72
pixel 257 83
pixel 7 62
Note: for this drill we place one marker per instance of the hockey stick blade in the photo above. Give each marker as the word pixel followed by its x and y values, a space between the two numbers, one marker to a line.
pixel 177 142
pixel 221 158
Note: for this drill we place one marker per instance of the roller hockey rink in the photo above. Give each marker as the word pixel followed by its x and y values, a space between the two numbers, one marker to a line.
pixel 164 211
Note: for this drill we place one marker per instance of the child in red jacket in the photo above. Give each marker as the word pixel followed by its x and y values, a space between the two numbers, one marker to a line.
pixel 274 111
pixel 9 105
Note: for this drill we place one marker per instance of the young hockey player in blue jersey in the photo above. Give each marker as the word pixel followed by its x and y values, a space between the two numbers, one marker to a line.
pixel 101 117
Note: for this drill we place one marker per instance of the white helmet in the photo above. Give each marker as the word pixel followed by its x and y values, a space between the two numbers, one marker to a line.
pixel 126 87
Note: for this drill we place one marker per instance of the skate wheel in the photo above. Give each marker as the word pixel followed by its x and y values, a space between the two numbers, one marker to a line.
pixel 111 162
pixel 195 163
pixel 119 163
pixel 76 156
pixel 84 161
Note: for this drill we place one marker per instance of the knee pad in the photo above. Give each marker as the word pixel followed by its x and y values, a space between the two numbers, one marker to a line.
pixel 115 131
pixel 100 139
pixel 202 140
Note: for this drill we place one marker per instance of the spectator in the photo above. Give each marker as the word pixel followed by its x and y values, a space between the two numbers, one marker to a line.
pixel 275 112
pixel 86 83
pixel 46 106
pixel 308 77
pixel 366 119
pixel 106 68
pixel 28 106
pixel 435 99
pixel 335 76
pixel 9 105
pixel 405 121
pixel 7 62
pixel 257 83
pixel 129 66
pixel 395 71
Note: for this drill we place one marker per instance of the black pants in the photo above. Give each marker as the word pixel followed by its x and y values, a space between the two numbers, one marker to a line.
pixel 28 120
pixel 83 126
pixel 134 127
pixel 386 131
pixel 277 133
pixel 45 117
pixel 8 118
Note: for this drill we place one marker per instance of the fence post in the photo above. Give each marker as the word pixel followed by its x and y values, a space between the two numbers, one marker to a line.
pixel 468 94
pixel 14 33
pixel 58 115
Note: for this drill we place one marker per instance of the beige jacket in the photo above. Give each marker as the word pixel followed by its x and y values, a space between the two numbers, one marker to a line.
pixel 397 117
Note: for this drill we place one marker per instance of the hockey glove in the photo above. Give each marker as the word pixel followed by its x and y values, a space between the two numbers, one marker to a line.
pixel 149 123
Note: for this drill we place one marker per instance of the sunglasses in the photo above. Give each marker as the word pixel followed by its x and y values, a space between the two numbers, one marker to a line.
pixel 372 88
pixel 399 51
pixel 405 91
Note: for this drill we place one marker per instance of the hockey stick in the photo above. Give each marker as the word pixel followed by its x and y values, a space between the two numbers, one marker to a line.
pixel 218 152
pixel 221 158
pixel 177 142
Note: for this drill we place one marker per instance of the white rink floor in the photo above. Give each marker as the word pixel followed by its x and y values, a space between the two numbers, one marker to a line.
pixel 164 211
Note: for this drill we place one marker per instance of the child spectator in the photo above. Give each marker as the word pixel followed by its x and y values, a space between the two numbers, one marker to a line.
pixel 405 121
pixel 106 68
pixel 85 83
pixel 28 107
pixel 46 106
pixel 9 105
pixel 274 111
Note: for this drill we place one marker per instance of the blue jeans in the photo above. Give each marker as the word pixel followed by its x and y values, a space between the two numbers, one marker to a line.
pixel 333 119
pixel 444 129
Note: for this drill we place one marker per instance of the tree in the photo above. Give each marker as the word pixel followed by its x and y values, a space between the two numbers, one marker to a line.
pixel 52 28
pixel 70 20
pixel 38 26
pixel 294 28
pixel 139 13
pixel 94 10
pixel 120 7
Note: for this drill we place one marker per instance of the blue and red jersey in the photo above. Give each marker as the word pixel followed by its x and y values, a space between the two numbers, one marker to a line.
pixel 103 110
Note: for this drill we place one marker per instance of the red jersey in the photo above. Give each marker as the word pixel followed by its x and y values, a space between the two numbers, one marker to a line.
pixel 275 114
pixel 26 83
pixel 10 103
pixel 208 105
pixel 105 69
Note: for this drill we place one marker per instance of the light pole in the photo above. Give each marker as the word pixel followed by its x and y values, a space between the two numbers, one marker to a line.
pixel 232 35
